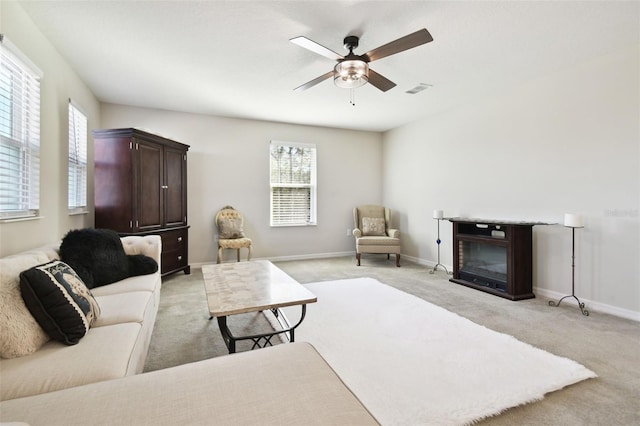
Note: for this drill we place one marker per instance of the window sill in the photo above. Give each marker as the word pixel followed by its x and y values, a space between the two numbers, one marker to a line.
pixel 78 213
pixel 289 225
pixel 20 219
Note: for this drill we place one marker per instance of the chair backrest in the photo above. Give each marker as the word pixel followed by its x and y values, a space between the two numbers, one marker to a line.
pixel 227 212
pixel 370 210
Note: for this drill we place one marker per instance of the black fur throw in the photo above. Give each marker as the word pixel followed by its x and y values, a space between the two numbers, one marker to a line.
pixel 98 257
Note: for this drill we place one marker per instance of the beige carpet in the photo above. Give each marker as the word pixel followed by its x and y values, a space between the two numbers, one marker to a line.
pixel 603 343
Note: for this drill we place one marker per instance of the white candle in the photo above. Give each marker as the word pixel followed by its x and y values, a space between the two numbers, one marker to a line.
pixel 438 214
pixel 573 220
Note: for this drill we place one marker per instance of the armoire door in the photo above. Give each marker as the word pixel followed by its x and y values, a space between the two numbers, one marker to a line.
pixel 150 178
pixel 175 192
pixel 114 191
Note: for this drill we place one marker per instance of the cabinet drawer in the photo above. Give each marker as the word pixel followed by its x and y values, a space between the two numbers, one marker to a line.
pixel 175 250
pixel 174 240
pixel 173 260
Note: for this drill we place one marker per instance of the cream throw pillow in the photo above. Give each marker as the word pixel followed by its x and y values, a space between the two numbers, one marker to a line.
pixel 20 334
pixel 231 228
pixel 373 226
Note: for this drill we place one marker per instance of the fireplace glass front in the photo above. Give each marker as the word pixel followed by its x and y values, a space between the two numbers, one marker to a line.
pixel 483 264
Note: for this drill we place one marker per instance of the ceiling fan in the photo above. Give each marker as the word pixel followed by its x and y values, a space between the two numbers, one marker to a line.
pixel 353 70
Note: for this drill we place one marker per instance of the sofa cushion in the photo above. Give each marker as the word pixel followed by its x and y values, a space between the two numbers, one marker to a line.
pixel 20 333
pixel 104 353
pixel 59 301
pixel 373 226
pixel 98 257
pixel 124 307
pixel 128 285
pixel 230 228
pixel 379 241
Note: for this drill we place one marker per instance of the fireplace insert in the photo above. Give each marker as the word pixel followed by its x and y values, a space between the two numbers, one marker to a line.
pixel 483 264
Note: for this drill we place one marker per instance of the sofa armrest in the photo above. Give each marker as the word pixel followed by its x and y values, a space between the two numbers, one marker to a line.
pixel 149 245
pixel 393 233
pixel 357 233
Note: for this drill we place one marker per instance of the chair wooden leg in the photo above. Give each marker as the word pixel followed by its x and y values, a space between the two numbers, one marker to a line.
pixel 249 255
pixel 238 254
pixel 219 254
pixel 358 258
pixel 398 260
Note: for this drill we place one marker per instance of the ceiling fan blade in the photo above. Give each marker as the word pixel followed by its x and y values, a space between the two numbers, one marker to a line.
pixel 400 45
pixel 316 48
pixel 315 81
pixel 379 81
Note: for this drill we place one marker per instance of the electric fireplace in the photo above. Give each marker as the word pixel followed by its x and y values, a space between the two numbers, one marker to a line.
pixel 494 256
pixel 483 264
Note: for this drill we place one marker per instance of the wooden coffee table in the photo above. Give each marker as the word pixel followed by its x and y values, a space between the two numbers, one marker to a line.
pixel 242 287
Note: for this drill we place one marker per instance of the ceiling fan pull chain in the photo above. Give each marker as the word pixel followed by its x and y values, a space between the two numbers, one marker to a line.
pixel 352 97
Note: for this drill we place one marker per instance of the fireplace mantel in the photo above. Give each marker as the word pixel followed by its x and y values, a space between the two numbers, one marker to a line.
pixel 497 221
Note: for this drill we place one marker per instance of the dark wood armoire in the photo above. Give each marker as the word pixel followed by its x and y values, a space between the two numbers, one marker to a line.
pixel 140 188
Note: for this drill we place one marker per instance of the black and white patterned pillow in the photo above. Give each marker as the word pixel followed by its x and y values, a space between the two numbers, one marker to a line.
pixel 59 301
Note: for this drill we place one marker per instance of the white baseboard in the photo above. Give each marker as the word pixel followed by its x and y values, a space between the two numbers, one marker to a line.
pixel 285 258
pixel 427 263
pixel 590 305
pixel 311 256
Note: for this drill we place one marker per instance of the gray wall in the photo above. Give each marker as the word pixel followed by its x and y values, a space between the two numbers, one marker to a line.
pixel 59 83
pixel 567 142
pixel 228 163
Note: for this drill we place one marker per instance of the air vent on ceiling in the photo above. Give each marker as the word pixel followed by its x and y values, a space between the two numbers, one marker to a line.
pixel 419 88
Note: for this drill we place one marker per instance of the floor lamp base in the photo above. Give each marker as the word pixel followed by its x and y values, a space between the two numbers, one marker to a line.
pixel 580 304
pixel 435 268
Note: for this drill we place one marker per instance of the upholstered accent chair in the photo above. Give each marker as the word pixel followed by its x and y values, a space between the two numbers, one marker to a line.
pixel 372 233
pixel 230 224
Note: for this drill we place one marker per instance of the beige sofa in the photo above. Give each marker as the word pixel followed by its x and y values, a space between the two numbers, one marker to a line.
pixel 288 384
pixel 116 346
pixel 95 381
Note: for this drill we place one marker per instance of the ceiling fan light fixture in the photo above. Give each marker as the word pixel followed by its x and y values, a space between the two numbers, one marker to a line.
pixel 351 73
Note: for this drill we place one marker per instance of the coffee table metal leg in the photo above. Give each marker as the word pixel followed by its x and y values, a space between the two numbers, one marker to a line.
pixel 260 340
pixel 228 338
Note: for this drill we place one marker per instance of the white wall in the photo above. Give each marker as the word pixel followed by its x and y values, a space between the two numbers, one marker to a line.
pixel 564 143
pixel 228 163
pixel 567 142
pixel 58 85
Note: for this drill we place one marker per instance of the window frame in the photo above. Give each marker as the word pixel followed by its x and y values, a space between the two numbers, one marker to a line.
pixel 312 185
pixel 20 93
pixel 77 160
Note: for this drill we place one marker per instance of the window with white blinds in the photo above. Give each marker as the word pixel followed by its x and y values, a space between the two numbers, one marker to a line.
pixel 77 160
pixel 293 184
pixel 19 134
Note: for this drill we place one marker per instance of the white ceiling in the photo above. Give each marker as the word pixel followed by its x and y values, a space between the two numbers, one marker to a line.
pixel 234 58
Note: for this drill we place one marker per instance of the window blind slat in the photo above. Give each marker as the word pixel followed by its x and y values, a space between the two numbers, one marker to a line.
pixel 19 137
pixel 293 182
pixel 77 193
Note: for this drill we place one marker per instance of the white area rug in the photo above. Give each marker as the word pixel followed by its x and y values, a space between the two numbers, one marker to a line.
pixel 411 362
